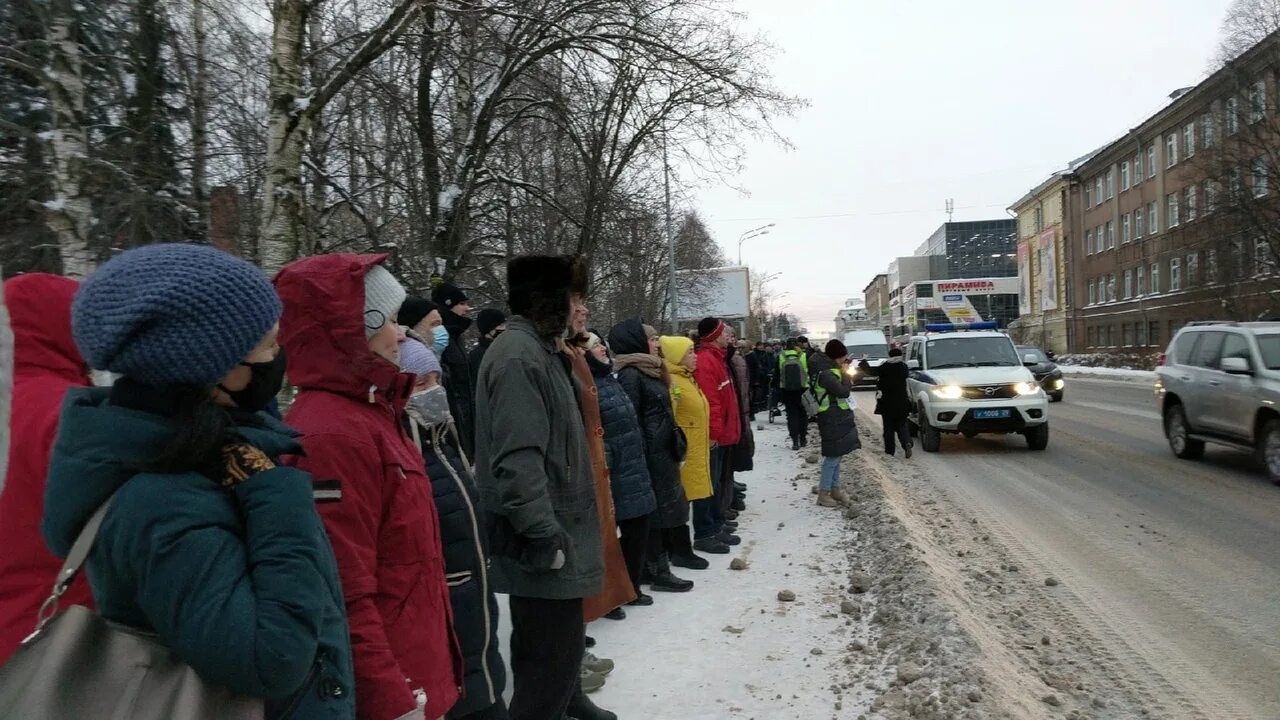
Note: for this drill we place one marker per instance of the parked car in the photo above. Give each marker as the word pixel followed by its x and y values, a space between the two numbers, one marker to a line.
pixel 1219 382
pixel 973 382
pixel 1045 370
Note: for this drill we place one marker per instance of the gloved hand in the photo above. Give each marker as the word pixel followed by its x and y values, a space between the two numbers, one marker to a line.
pixel 545 554
pixel 242 461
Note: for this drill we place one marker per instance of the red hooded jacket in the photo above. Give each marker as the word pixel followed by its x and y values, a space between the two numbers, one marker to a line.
pixel 385 531
pixel 713 377
pixel 45 365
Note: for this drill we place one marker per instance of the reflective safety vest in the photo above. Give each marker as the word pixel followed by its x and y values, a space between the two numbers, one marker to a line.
pixel 824 397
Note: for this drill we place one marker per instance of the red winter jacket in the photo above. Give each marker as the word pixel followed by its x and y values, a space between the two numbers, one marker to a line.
pixel 713 377
pixel 45 365
pixel 385 531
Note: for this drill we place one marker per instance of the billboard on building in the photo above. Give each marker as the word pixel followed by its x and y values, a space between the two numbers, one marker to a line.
pixel 1048 270
pixel 718 292
pixel 1024 278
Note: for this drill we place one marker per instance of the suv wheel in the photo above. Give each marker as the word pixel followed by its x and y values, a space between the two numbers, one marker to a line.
pixel 930 438
pixel 1038 437
pixel 1179 434
pixel 1269 450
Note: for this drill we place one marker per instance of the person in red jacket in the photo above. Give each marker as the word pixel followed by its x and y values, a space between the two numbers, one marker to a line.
pixel 46 364
pixel 339 330
pixel 712 375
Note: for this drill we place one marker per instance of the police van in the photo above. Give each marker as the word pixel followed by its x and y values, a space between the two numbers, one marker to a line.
pixel 970 380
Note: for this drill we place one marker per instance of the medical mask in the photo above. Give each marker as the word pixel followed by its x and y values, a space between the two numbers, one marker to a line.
pixel 431 406
pixel 439 339
pixel 103 378
pixel 265 381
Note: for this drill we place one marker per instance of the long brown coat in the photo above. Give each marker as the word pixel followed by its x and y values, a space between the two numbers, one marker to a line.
pixel 617 584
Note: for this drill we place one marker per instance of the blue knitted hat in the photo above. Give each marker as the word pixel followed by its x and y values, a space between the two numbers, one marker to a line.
pixel 173 314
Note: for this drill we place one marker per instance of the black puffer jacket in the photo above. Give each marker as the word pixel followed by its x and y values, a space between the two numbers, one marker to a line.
pixel 892 400
pixel 457 379
pixel 651 398
pixel 475 609
pixel 837 426
pixel 623 445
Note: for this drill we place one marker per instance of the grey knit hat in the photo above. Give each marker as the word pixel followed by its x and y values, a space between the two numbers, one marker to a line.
pixel 383 296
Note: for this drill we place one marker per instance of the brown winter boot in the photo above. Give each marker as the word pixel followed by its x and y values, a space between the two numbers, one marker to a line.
pixel 838 495
pixel 825 500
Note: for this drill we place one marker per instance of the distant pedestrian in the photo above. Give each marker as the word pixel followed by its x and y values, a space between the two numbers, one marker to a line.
pixel 792 382
pixel 836 422
pixel 489 323
pixel 725 429
pixel 451 348
pixel 893 403
pixel 209 543
pixel 693 416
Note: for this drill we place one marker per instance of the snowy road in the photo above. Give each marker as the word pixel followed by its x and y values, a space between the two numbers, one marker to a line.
pixel 1168 572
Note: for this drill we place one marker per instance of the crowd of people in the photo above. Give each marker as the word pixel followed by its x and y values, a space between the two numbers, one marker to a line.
pixel 343 561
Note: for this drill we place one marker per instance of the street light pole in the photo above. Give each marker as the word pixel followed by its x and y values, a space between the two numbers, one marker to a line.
pixel 757 232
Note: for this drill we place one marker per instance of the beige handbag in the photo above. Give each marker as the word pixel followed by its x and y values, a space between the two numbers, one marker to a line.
pixel 78 665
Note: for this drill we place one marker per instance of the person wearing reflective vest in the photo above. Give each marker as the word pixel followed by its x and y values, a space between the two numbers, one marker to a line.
pixel 792 381
pixel 836 423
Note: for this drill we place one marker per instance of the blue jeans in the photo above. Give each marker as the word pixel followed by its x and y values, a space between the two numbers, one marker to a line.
pixel 830 474
pixel 707 520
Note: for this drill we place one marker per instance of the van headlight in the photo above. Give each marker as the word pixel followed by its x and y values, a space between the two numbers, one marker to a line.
pixel 1026 388
pixel 948 392
pixel 1059 384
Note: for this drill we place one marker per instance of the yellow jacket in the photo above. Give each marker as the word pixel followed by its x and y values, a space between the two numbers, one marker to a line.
pixel 693 416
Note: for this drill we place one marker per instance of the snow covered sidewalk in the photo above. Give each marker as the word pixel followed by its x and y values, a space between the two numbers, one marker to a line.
pixel 1125 374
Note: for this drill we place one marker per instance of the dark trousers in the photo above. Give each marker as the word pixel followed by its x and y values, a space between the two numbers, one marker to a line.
pixel 668 541
pixel 895 426
pixel 707 518
pixel 797 419
pixel 725 491
pixel 546 654
pixel 635 546
pixel 496 711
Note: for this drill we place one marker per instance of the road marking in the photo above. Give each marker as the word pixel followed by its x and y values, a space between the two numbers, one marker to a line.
pixel 1106 407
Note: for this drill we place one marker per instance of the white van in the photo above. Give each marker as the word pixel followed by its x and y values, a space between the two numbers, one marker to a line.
pixel 871 343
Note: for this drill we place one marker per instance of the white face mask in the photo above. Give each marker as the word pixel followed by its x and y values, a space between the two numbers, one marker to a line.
pixel 431 406
pixel 103 378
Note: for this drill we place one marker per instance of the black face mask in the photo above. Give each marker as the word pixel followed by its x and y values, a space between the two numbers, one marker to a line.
pixel 265 381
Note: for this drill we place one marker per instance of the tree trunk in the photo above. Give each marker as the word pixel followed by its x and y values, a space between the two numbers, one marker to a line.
pixel 200 123
pixel 69 214
pixel 283 219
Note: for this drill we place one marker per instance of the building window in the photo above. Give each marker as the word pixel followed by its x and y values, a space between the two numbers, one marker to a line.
pixel 1088 242
pixel 1153 218
pixel 1189 203
pixel 1097 190
pixel 1155 279
pixel 1151 161
pixel 1039 218
pixel 1171 150
pixel 1140 276
pixel 1126 229
pixel 1233 115
pixel 1175 274
pixel 1128 284
pixel 1124 176
pixel 1262 258
pixel 1206 129
pixel 1137 224
pixel 1193 269
pixel 1153 333
pixel 1211 265
pixel 1111 287
pixel 1128 334
pixel 1238 265
pixel 1189 139
pixel 1111 183
pixel 1257 100
pixel 1142 334
pixel 1093 293
pixel 1088 195
pixel 1171 209
pixel 1259 170
pixel 1137 169
pixel 1233 184
pixel 1111 235
pixel 1210 195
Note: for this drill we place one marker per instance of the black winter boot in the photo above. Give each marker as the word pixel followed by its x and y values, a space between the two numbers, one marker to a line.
pixel 581 708
pixel 692 561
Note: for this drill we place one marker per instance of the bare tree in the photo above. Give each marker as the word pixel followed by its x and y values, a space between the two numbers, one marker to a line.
pixel 1245 24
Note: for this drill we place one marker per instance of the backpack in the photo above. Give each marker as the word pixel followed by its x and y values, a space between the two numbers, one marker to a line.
pixel 793 372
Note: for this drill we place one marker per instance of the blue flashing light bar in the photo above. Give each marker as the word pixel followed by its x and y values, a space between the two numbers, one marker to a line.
pixel 952 327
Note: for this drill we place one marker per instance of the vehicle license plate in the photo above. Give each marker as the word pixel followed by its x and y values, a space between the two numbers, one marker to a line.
pixel 991 414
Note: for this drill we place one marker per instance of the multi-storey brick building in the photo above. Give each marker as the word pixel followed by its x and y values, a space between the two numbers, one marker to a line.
pixel 1175 221
pixel 876 299
pixel 1042 265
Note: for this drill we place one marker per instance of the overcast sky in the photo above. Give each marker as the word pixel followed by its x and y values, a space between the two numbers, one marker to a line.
pixel 916 102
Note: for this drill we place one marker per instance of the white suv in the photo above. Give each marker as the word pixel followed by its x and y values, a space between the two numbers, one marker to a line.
pixel 973 382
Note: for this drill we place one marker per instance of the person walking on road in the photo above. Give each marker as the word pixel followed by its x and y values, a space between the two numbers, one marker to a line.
pixel 534 472
pixel 836 423
pixel 892 400
pixel 792 381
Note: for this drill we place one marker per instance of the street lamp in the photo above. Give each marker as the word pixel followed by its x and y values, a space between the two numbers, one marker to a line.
pixel 757 232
